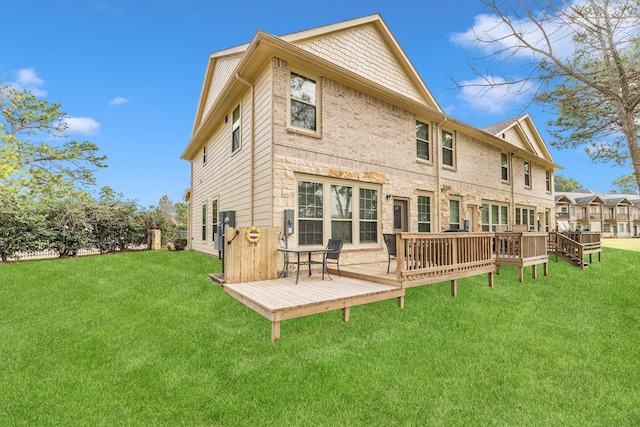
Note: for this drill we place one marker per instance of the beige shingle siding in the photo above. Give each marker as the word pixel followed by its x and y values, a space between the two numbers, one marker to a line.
pixel 221 74
pixel 363 51
pixel 227 176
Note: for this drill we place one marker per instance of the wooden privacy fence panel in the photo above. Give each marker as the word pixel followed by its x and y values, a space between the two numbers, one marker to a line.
pixel 247 262
pixel 435 257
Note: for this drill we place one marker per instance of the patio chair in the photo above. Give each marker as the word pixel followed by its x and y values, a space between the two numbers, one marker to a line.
pixel 390 241
pixel 333 253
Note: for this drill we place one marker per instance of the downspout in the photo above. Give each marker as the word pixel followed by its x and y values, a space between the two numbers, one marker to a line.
pixel 438 162
pixel 253 153
pixel 513 189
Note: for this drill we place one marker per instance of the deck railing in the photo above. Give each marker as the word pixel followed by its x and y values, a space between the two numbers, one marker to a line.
pixel 436 257
pixel 521 250
pixel 590 240
pixel 563 245
pixel 521 245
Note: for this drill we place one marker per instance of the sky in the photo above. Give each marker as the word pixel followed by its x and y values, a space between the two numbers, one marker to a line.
pixel 129 72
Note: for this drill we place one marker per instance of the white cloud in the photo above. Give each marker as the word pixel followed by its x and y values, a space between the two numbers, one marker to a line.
pixel 81 125
pixel 491 35
pixel 118 100
pixel 27 79
pixel 496 99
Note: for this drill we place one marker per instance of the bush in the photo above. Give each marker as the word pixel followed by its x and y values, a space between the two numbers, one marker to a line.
pixel 180 243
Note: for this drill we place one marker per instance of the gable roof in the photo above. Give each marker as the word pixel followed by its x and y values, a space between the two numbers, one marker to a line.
pixel 239 65
pixel 526 132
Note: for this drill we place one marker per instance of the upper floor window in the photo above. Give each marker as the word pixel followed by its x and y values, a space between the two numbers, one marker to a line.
pixel 422 140
pixel 448 157
pixel 303 102
pixel 235 134
pixel 527 174
pixel 548 180
pixel 424 214
pixel 504 163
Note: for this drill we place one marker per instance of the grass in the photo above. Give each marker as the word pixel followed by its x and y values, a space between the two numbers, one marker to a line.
pixel 632 244
pixel 146 339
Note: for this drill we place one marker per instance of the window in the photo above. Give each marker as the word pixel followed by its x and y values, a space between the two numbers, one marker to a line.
pixel 621 228
pixel 422 140
pixel 341 213
pixel 527 174
pixel 454 214
pixel 368 215
pixel 447 148
pixel 310 213
pixel 204 155
pixel 424 214
pixel 573 211
pixel 493 215
pixel 214 218
pixel 349 212
pixel 526 216
pixel 235 133
pixel 548 180
pixel 204 222
pixel 303 102
pixel 606 228
pixel 504 161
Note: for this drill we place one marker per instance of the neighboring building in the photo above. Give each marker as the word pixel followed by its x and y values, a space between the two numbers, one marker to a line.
pixel 614 215
pixel 335 124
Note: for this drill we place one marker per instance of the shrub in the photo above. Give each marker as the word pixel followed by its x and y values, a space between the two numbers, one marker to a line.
pixel 180 243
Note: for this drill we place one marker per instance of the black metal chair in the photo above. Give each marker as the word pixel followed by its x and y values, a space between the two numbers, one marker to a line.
pixel 333 253
pixel 390 241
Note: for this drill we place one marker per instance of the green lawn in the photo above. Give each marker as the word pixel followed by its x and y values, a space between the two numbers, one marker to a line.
pixel 146 339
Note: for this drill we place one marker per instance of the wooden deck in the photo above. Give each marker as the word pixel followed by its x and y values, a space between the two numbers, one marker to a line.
pixel 281 299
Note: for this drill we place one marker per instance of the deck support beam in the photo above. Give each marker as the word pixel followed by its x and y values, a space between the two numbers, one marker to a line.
pixel 345 314
pixel 275 331
pixel 454 288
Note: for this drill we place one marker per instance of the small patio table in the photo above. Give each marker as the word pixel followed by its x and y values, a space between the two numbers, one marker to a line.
pixel 309 261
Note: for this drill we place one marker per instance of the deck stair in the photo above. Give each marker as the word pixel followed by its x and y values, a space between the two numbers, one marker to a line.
pixel 573 247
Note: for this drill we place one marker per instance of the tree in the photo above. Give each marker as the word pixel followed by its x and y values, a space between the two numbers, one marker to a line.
pixel 182 213
pixel 585 59
pixel 564 184
pixel 625 184
pixel 28 164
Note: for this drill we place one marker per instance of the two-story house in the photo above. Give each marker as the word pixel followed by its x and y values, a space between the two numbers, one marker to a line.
pixel 335 127
pixel 613 215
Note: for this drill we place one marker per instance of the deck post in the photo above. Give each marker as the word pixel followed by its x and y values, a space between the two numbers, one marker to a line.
pixel 275 331
pixel 521 274
pixel 534 271
pixel 454 289
pixel 490 274
pixel 345 314
pixel 401 302
pixel 546 269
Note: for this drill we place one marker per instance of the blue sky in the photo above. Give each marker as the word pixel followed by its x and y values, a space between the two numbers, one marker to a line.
pixel 129 72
